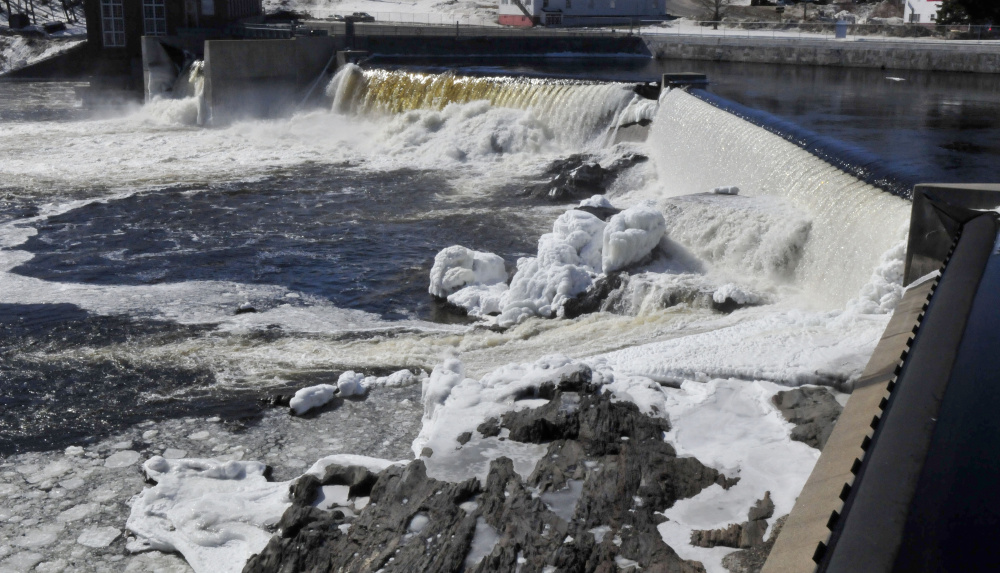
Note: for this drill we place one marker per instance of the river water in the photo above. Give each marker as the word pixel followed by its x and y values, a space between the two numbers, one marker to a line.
pixel 130 238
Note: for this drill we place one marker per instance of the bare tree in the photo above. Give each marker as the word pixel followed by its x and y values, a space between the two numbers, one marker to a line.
pixel 716 9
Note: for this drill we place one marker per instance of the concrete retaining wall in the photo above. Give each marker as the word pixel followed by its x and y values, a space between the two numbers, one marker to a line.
pixel 262 78
pixel 519 45
pixel 951 56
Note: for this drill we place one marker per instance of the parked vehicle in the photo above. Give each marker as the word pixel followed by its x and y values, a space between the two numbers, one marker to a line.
pixel 362 17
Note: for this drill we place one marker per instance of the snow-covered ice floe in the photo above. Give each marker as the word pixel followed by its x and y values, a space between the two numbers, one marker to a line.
pixel 349 383
pixel 216 514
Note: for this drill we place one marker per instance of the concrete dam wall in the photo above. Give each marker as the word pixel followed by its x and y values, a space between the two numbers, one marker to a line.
pixel 939 57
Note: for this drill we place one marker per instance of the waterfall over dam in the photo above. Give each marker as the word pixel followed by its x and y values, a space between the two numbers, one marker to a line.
pixel 575 109
pixel 698 147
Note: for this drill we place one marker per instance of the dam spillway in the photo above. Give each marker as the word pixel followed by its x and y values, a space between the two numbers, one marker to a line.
pixel 326 224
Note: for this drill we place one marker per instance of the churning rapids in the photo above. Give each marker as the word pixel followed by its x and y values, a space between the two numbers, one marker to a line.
pixel 158 278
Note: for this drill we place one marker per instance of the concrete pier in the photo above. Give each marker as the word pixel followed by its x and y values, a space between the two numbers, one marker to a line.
pixel 262 78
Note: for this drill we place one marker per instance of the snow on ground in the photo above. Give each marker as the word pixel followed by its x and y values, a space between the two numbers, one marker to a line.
pixel 476 12
pixel 19 51
pixel 732 426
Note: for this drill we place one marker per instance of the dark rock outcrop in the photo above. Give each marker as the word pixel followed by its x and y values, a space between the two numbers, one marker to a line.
pixel 813 410
pixel 578 177
pixel 595 496
pixel 593 298
pixel 752 560
pixel 744 535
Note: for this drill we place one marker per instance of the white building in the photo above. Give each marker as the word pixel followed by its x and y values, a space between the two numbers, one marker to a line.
pixel 579 12
pixel 921 11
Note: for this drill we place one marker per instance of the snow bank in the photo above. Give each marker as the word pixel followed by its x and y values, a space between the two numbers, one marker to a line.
pixel 630 236
pixel 312 397
pixel 215 514
pixel 456 267
pixel 731 425
pixel 790 348
pixel 454 404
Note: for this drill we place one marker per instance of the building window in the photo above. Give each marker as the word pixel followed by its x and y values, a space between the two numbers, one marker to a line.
pixel 545 3
pixel 154 17
pixel 113 23
pixel 612 4
pixel 590 4
pixel 569 3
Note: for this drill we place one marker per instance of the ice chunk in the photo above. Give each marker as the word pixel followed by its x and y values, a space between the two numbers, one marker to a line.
pixel 630 236
pixel 351 383
pixel 563 502
pixel 312 397
pixel 597 201
pixel 40 537
pixel 483 541
pixel 216 514
pixel 122 459
pixel 456 267
pixel 78 512
pixel 397 379
pixel 736 293
pixel 418 522
pixel 480 300
pixel 98 537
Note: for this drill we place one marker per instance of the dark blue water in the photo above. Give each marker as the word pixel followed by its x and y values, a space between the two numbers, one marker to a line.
pixel 359 240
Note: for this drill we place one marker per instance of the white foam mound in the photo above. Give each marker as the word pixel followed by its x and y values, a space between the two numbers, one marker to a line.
pixel 456 267
pixel 215 514
pixel 598 201
pixel 312 397
pixel 568 259
pixel 630 235
pixel 351 383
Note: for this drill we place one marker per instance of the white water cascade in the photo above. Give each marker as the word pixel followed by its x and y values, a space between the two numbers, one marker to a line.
pixel 698 147
pixel 577 111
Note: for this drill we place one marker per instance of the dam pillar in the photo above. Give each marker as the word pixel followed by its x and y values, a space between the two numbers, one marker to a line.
pixel 262 78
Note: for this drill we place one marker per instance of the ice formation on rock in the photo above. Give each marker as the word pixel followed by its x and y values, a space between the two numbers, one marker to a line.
pixel 456 267
pixel 630 236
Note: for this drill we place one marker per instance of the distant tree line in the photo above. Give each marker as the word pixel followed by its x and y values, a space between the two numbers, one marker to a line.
pixel 969 12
